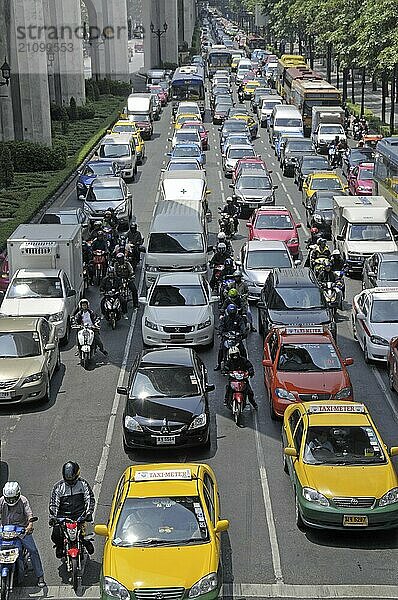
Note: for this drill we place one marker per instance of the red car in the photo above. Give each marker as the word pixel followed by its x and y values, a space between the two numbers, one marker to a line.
pixel 203 132
pixel 303 364
pixel 275 223
pixel 360 180
pixel 160 92
pixel 248 163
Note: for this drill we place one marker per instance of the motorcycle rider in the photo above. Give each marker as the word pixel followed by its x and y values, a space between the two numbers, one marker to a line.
pixel 111 219
pixel 338 262
pixel 243 291
pixel 232 321
pixel 125 271
pixel 320 250
pixel 326 274
pixel 231 208
pixel 236 362
pixel 233 297
pixel 83 315
pixel 99 242
pixel 112 282
pixel 333 151
pixel 134 235
pixel 87 255
pixel 71 497
pixel 15 509
pixel 219 257
pixel 222 238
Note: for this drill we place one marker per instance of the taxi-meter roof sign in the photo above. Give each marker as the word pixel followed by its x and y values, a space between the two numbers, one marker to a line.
pixel 163 474
pixel 337 408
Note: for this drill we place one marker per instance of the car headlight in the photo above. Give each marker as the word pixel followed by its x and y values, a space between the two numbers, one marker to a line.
pixel 56 317
pixel 115 589
pixel 379 341
pixel 32 378
pixel 284 394
pixel 317 218
pixel 390 497
pixel 204 586
pixel 132 424
pixel 200 268
pixel 81 185
pixel 150 269
pixel 199 421
pixel 204 324
pixel 314 496
pixel 344 393
pixel 151 325
pixel 120 209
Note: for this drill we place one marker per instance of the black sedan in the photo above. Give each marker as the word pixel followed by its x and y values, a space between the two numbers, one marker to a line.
pixel 309 163
pixel 220 113
pixel 319 213
pixel 355 157
pixel 167 400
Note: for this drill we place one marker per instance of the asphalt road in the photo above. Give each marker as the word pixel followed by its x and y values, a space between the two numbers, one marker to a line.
pixel 264 553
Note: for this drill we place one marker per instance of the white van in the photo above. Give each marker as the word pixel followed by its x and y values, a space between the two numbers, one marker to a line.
pixel 244 66
pixel 266 108
pixel 285 119
pixel 120 147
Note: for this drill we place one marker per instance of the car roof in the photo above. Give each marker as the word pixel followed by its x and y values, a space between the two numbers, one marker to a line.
pixel 257 173
pixel 8 324
pixel 302 276
pixel 272 210
pixel 254 245
pixel 179 278
pixel 325 175
pixel 384 293
pixel 105 182
pixel 162 487
pixel 315 334
pixel 165 356
pixel 345 413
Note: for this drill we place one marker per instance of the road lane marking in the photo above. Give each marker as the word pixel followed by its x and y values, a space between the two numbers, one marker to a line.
pixel 278 175
pixel 290 199
pixel 276 558
pixel 284 187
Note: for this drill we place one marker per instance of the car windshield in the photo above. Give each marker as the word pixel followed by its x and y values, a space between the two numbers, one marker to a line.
pixel 316 162
pixel 128 128
pixel 379 232
pixel 177 295
pixel 365 173
pixel 43 287
pixel 388 270
pixel 324 204
pixel 222 108
pixel 302 146
pixel 358 157
pixel 70 219
pixel 308 357
pixel 384 311
pixel 328 183
pixel 273 222
pixel 294 298
pixel 253 183
pixel 114 150
pixel 105 194
pixel 268 259
pixel 241 152
pixel 139 118
pixel 163 521
pixel 175 243
pixel 237 126
pixel 343 445
pixel 235 139
pixel 21 344
pixel 331 129
pixel 164 381
pixel 286 122
pixel 100 168
pixel 186 136
pixel 182 166
pixel 186 151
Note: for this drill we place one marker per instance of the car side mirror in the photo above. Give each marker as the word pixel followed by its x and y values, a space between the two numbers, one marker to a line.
pixel 360 316
pixel 210 387
pixel 122 390
pixel 231 185
pixel 49 347
pixel 290 452
pixel 208 192
pixel 101 530
pixel 275 187
pixel 221 526
pixel 210 248
pixel 267 362
pixel 347 362
pixel 298 225
pixel 214 299
pixel 371 274
pixel 248 225
pixel 340 238
pixel 168 154
pixel 393 451
pixel 81 197
pixel 142 300
pixel 71 293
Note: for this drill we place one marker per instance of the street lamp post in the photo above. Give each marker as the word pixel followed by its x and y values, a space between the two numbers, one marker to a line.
pixel 6 74
pixel 159 32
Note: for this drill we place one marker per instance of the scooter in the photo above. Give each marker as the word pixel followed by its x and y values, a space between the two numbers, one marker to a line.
pixel 12 555
pixel 112 308
pixel 332 295
pixel 85 341
pixel 226 224
pixel 238 388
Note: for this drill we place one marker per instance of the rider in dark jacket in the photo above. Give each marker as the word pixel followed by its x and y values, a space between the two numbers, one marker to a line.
pixel 232 321
pixel 236 362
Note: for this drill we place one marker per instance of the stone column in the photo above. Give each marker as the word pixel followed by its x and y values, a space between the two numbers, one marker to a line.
pixel 115 30
pixel 170 38
pixel 189 21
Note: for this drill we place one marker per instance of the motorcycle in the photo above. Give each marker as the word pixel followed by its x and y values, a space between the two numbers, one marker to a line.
pixel 75 552
pixel 228 340
pixel 237 384
pixel 100 265
pixel 332 295
pixel 86 276
pixel 318 265
pixel 226 224
pixel 11 556
pixel 85 342
pixel 112 307
pixel 217 277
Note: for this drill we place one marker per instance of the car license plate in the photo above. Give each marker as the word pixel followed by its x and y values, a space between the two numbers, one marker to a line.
pixel 6 395
pixel 177 336
pixel 355 521
pixel 166 439
pixel 253 204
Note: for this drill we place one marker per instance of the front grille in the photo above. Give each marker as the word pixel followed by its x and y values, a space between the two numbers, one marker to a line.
pixel 5 385
pixel 173 593
pixel 309 397
pixel 186 269
pixel 178 329
pixel 171 429
pixel 354 502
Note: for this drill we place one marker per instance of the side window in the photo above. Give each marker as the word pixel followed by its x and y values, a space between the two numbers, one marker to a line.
pixel 293 420
pixel 210 505
pixel 118 497
pixel 66 283
pixel 45 332
pixel 273 346
pixel 365 307
pixel 298 435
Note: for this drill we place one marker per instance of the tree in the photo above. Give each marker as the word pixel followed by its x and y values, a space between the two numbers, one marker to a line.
pixel 6 168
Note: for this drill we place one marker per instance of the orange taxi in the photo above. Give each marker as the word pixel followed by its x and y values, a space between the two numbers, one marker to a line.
pixel 302 364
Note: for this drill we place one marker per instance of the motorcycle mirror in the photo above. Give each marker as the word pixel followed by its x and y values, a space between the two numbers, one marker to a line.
pixel 267 362
pixel 81 197
pixel 348 361
pixel 298 225
pixel 297 262
pixel 275 187
pixel 142 299
pixel 210 387
pixel 214 299
pixel 33 519
pixel 122 390
pixel 49 347
pixel 248 224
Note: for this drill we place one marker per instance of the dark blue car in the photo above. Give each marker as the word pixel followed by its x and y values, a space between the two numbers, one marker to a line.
pixel 93 169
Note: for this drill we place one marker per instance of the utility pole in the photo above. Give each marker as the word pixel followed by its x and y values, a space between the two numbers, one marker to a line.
pixel 159 32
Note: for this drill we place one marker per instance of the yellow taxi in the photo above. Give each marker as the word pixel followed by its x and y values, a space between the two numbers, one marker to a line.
pixel 249 88
pixel 163 537
pixel 341 470
pixel 183 118
pixel 248 119
pixel 126 126
pixel 322 180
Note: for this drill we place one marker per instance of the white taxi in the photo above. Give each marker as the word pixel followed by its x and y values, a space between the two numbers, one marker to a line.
pixel 375 321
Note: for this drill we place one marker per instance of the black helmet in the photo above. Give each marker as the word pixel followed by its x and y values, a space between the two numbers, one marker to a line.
pixel 322 242
pixel 70 472
pixel 133 226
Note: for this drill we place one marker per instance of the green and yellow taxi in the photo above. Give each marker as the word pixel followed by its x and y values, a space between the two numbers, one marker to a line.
pixel 126 126
pixel 184 118
pixel 322 180
pixel 341 470
pixel 249 88
pixel 163 536
pixel 248 119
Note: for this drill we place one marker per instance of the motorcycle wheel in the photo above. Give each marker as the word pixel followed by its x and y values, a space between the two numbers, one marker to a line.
pixel 97 277
pixel 237 412
pixel 76 575
pixel 5 587
pixel 113 322
pixel 84 361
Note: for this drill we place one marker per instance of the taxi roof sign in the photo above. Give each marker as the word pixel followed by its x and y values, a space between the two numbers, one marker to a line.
pixel 337 408
pixel 313 329
pixel 163 474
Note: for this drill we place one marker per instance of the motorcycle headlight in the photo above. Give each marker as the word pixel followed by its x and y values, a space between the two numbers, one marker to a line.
pixel 204 324
pixel 204 586
pixel 56 317
pixel 314 496
pixel 151 325
pixel 132 424
pixel 284 394
pixel 115 589
pixel 390 497
pixel 199 421
pixel 32 378
pixel 344 393
pixel 200 268
pixel 317 218
pixel 379 341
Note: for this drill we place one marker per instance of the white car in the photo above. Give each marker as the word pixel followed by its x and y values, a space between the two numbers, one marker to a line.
pixel 182 136
pixel 188 108
pixel 375 321
pixel 178 310
pixel 233 154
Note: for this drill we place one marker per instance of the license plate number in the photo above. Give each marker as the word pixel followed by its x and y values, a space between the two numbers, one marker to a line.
pixel 166 439
pixel 177 336
pixel 355 521
pixel 6 395
pixel 253 205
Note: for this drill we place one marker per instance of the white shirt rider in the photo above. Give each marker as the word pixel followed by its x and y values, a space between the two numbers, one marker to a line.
pixel 86 318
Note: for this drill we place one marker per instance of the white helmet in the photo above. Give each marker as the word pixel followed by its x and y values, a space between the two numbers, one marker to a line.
pixel 11 492
pixel 336 252
pixel 221 236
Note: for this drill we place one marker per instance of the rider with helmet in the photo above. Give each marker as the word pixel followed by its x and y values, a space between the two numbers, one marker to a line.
pixel 125 271
pixel 338 262
pixel 236 362
pixel 111 219
pixel 73 498
pixel 83 315
pixel 219 257
pixel 222 238
pixel 243 291
pixel 232 322
pixel 112 282
pixel 87 255
pixel 320 250
pixel 100 243
pixel 16 510
pixel 134 235
pixel 234 297
pixel 231 208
